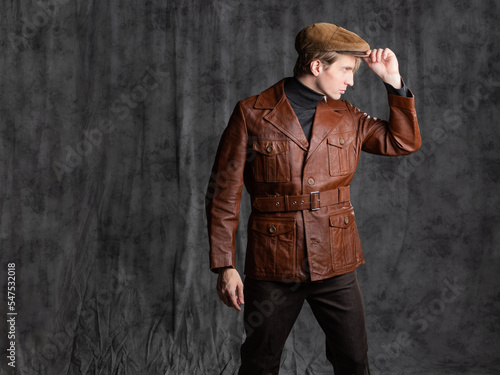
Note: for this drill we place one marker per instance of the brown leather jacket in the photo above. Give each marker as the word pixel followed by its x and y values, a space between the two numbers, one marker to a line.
pixel 295 234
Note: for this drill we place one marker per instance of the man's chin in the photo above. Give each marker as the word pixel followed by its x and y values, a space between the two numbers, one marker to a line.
pixel 334 97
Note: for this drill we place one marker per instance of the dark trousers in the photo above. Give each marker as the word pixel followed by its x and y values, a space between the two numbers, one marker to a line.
pixel 271 309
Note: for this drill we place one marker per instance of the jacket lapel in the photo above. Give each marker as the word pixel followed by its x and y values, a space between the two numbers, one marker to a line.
pixel 282 116
pixel 326 119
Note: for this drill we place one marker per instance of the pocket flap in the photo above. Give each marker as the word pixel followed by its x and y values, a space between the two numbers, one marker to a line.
pixel 270 148
pixel 272 227
pixel 340 140
pixel 342 219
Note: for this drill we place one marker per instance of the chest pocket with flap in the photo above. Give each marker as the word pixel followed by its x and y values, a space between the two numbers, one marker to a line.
pixel 271 163
pixel 342 155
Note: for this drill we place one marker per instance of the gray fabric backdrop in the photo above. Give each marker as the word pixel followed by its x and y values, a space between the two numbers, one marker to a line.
pixel 110 116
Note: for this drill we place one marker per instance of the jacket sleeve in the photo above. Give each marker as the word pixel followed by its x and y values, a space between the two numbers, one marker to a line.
pixel 224 191
pixel 398 136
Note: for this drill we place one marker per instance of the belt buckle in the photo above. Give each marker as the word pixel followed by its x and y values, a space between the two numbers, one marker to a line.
pixel 311 201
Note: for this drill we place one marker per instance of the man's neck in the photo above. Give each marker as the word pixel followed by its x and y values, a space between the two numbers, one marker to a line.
pixel 309 81
pixel 301 95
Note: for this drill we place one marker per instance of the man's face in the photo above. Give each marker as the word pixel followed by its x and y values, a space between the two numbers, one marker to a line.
pixel 333 81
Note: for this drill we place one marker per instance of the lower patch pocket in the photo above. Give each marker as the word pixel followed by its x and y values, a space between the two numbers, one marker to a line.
pixel 344 240
pixel 272 245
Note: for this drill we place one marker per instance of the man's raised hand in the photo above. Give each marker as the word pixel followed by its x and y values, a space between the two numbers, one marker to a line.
pixel 384 63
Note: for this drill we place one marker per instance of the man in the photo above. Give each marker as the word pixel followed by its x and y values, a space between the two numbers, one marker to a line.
pixel 295 147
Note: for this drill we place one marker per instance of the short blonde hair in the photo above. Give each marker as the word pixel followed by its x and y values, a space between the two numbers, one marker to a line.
pixel 303 63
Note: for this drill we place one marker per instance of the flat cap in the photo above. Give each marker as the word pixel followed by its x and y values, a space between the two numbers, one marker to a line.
pixel 327 37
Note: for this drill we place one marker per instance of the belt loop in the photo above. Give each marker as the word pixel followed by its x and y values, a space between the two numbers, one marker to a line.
pixel 344 194
pixel 287 203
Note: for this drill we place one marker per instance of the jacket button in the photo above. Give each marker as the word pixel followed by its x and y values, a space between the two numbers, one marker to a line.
pixel 341 140
pixel 310 181
pixel 272 229
pixel 346 220
pixel 269 148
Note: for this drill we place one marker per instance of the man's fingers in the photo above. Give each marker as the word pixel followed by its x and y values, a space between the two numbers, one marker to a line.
pixel 241 296
pixel 230 298
pixel 385 55
pixel 234 301
pixel 377 55
pixel 371 56
pixel 222 297
pixel 226 299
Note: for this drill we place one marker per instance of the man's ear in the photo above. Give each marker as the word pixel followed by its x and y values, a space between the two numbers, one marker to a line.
pixel 316 67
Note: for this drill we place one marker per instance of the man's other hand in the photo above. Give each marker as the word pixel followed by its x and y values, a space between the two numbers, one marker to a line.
pixel 230 288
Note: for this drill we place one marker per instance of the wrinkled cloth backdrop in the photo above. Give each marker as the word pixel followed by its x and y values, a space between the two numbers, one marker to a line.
pixel 110 117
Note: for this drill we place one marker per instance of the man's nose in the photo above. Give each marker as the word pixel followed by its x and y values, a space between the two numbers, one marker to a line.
pixel 350 80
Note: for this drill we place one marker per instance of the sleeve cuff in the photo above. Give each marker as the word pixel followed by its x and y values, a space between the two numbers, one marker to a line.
pixel 403 91
pixel 218 269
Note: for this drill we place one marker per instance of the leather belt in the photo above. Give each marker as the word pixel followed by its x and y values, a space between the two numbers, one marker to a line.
pixel 312 201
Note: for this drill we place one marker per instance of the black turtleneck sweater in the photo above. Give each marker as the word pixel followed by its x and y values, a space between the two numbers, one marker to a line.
pixel 305 100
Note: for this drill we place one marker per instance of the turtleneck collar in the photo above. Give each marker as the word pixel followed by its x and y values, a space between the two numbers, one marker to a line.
pixel 301 95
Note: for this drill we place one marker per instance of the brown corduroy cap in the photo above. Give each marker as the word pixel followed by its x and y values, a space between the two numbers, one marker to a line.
pixel 326 37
